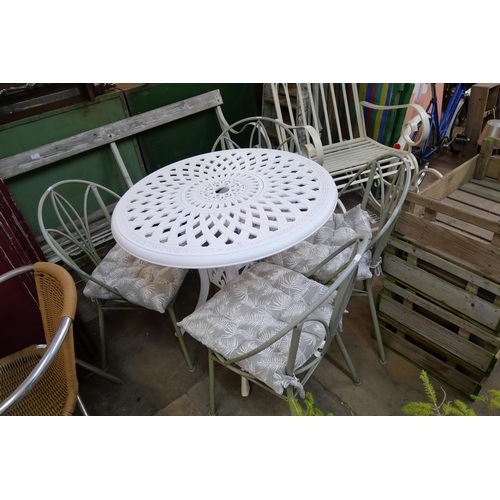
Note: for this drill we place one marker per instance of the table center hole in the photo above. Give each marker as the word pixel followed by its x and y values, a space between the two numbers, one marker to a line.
pixel 222 189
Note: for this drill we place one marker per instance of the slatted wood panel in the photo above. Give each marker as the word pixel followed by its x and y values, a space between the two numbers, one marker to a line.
pixel 442 317
pixel 458 218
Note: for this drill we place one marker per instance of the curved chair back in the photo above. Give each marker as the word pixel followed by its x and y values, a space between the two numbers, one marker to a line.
pixel 41 380
pixel 257 132
pixel 391 188
pixel 82 211
pixel 79 233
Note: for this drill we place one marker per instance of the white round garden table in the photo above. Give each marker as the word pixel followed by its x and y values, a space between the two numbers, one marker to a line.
pixel 219 211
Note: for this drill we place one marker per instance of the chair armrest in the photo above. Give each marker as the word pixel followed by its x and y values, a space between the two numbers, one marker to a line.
pixel 48 356
pixel 43 365
pixel 316 148
pixel 340 275
pixel 410 126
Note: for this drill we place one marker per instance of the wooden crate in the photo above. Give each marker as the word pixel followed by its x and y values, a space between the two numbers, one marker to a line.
pixel 458 217
pixel 441 317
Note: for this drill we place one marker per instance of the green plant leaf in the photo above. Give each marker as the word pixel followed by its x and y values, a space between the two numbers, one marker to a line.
pixel 428 388
pixel 419 409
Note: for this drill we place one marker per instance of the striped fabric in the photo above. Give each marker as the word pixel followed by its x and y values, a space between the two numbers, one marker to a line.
pixel 385 126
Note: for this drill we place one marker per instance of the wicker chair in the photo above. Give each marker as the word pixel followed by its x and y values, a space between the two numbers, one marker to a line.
pixel 41 379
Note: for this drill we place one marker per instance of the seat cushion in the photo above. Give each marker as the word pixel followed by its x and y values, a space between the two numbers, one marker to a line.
pixel 140 282
pixel 251 309
pixel 339 229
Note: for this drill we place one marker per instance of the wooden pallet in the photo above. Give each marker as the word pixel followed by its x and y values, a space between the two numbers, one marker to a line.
pixel 458 217
pixel 440 316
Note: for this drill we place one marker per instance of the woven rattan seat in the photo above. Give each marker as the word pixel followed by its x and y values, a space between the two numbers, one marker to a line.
pixel 55 390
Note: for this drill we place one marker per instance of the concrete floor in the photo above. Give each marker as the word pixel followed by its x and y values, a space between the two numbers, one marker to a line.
pixel 144 353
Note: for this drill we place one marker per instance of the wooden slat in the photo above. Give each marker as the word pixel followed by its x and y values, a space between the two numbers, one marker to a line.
pixel 464 250
pixel 445 264
pixel 451 211
pixel 85 141
pixel 441 188
pixel 487 183
pixel 475 204
pixel 481 191
pixel 464 325
pixel 428 362
pixel 443 339
pixel 444 293
pixel 493 168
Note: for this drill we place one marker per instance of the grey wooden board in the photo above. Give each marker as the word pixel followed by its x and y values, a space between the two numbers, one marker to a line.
pixel 85 141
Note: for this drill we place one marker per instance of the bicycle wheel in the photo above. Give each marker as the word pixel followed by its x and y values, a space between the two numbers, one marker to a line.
pixel 456 132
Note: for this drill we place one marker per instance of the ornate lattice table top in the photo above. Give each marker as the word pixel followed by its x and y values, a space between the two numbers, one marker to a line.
pixel 224 208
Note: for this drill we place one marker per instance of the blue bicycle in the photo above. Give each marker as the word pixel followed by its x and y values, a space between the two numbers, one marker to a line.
pixel 447 132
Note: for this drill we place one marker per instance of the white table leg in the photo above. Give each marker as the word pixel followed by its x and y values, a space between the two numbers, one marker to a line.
pixel 245 387
pixel 204 287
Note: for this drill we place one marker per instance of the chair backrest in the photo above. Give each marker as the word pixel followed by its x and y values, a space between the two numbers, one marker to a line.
pixel 257 132
pixel 341 288
pixel 79 212
pixel 389 198
pixel 333 109
pixel 56 370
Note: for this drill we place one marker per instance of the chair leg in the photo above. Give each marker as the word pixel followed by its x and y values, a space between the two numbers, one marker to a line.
pixel 97 371
pixel 81 406
pixel 373 311
pixel 180 337
pixel 211 382
pixel 100 312
pixel 343 350
pixel 289 396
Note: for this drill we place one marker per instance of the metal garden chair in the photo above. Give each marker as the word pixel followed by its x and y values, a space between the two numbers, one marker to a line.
pixel 317 257
pixel 41 379
pixel 336 113
pixel 74 218
pixel 261 132
pixel 273 326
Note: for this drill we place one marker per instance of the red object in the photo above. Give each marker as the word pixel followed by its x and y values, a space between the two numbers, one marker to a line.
pixel 397 146
pixel 21 323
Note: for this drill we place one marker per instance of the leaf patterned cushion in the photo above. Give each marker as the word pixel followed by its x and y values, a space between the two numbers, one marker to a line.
pixel 140 282
pixel 251 309
pixel 339 229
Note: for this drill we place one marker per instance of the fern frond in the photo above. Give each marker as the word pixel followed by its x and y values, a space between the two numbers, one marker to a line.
pixel 457 409
pixel 495 398
pixel 428 388
pixel 310 410
pixel 296 408
pixel 419 409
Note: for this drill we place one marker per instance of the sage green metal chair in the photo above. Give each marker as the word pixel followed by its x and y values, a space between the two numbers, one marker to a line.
pixel 262 132
pixel 75 220
pixel 384 191
pixel 273 326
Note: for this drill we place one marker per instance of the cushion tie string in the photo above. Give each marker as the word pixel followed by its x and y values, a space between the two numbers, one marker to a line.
pixel 377 267
pixel 294 382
